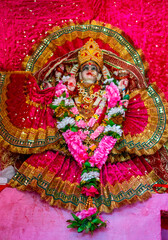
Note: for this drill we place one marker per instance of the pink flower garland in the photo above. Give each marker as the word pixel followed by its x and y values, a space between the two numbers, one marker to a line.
pixel 91 122
pixel 101 153
pixel 80 154
pixel 74 139
pixel 60 89
pixel 81 124
pixel 112 94
pixel 74 110
pixel 97 132
pixel 75 146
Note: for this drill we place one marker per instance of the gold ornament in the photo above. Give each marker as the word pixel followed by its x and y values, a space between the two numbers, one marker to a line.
pixel 59 111
pixel 91 52
pixel 89 203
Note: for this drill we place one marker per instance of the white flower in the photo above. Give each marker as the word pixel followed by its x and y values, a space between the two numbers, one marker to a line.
pixel 68 102
pixel 65 78
pixel 114 128
pixel 115 110
pixel 57 101
pixel 90 175
pixel 108 80
pixel 65 121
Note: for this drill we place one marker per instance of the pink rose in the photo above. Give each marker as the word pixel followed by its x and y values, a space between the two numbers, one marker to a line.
pixel 91 122
pixel 99 111
pixel 60 89
pixel 86 213
pixel 112 94
pixel 72 83
pixel 81 124
pixel 101 218
pixel 92 191
pixel 74 110
pixel 86 132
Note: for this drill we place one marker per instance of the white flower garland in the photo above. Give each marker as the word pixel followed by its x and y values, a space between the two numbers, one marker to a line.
pixel 115 110
pixel 90 175
pixel 67 120
pixel 114 128
pixel 67 102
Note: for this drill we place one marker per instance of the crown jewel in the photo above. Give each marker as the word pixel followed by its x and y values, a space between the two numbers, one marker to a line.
pixel 90 52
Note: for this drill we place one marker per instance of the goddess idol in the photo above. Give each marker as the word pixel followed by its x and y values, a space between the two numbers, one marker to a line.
pixel 83 110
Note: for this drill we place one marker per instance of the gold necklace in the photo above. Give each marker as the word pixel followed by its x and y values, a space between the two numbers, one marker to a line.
pixel 87 92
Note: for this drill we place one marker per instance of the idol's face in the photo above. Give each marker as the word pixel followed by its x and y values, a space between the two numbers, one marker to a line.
pixel 89 72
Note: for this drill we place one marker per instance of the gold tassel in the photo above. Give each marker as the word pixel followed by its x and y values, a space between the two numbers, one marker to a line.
pixel 89 203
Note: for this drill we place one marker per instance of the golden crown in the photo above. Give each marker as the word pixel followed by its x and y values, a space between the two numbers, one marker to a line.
pixel 90 52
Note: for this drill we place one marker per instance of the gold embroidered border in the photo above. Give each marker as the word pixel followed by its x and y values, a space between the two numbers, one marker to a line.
pixel 68 194
pixel 51 44
pixel 29 141
pixel 141 142
pixel 26 140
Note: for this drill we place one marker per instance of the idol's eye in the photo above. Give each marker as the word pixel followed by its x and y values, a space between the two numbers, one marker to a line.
pixel 86 67
pixel 94 68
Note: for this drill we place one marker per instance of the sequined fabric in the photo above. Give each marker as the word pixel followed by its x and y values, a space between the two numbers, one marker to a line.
pixel 56 178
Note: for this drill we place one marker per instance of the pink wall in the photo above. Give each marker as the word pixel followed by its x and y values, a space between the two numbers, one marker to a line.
pixel 23 22
pixel 24 216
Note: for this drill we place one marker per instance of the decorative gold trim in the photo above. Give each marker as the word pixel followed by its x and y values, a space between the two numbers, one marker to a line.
pixel 31 140
pixel 90 52
pixel 26 140
pixel 94 29
pixel 67 195
pixel 155 133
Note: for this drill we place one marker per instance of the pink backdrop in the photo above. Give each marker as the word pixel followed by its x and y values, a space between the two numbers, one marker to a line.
pixel 23 22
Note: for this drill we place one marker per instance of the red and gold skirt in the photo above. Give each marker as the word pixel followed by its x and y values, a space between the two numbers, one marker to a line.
pixel 56 178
